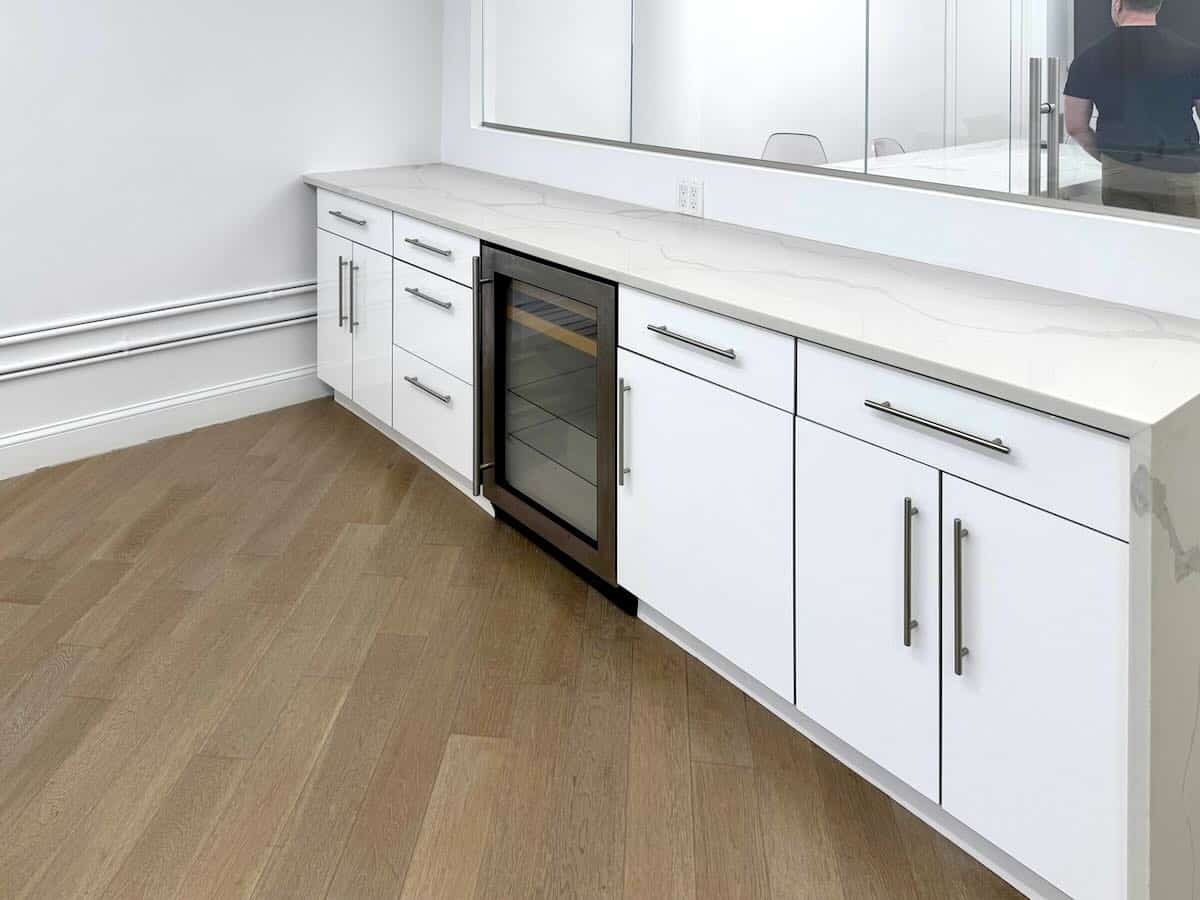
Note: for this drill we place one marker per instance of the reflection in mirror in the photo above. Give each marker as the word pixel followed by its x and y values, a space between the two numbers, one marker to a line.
pixel 558 65
pixel 939 93
pixel 786 84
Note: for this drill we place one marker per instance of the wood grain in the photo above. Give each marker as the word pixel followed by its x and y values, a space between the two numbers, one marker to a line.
pixel 280 657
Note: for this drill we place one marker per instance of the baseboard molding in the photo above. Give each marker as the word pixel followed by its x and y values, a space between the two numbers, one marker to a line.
pixel 140 422
pixel 1020 877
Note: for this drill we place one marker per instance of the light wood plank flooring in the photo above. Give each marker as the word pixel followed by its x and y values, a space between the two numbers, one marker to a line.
pixel 280 658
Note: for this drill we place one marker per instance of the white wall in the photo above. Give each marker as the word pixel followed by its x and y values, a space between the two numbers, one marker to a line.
pixel 1139 263
pixel 151 156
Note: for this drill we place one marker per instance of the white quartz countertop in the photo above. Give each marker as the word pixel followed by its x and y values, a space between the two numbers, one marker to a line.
pixel 1112 367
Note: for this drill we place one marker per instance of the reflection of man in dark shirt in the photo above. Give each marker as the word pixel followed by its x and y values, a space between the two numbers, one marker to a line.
pixel 1145 82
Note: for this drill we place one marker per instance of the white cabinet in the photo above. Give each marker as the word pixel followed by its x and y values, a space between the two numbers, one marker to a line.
pixel 371 326
pixel 705 515
pixel 1034 737
pixel 867 647
pixel 335 347
pixel 354 322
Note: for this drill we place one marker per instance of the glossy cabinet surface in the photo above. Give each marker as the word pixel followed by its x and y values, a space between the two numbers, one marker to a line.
pixel 854 673
pixel 705 515
pixel 372 332
pixel 742 357
pixel 434 319
pixel 1033 731
pixel 1077 472
pixel 433 409
pixel 335 345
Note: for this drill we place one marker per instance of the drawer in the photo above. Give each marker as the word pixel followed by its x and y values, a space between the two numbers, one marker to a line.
pixel 360 222
pixel 1054 464
pixel 448 253
pixel 435 412
pixel 433 318
pixel 742 357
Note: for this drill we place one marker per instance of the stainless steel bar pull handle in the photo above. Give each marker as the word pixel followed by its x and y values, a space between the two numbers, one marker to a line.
pixel 353 321
pixel 666 332
pixel 416 382
pixel 338 214
pixel 421 245
pixel 910 624
pixel 342 263
pixel 1035 127
pixel 622 469
pixel 960 652
pixel 421 295
pixel 995 444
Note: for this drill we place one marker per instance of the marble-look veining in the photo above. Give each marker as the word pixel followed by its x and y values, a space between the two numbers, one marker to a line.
pixel 1117 368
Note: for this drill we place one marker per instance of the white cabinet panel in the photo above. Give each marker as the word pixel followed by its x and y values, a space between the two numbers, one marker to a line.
pixel 371 309
pixel 434 319
pixel 704 519
pixel 1034 730
pixel 434 410
pixel 854 673
pixel 363 223
pixel 1054 464
pixel 443 251
pixel 748 359
pixel 335 347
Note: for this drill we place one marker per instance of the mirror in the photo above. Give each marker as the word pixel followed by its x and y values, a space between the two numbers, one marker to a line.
pixel 558 65
pixel 715 77
pixel 968 94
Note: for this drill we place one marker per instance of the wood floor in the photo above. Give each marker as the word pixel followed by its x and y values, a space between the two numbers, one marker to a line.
pixel 280 658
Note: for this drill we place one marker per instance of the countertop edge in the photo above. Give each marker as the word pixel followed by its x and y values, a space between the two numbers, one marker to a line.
pixel 1064 409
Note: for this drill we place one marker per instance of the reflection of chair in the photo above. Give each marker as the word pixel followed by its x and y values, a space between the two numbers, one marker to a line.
pixel 886 147
pixel 801 149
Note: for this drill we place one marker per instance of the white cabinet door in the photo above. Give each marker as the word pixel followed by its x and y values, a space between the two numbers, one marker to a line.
pixel 335 348
pixel 372 326
pixel 1034 729
pixel 860 672
pixel 704 519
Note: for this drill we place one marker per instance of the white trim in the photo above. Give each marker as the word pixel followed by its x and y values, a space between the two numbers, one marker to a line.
pixel 135 424
pixel 1020 877
pixel 143 314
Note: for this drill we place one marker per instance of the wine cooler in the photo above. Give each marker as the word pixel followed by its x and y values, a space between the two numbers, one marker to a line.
pixel 548 356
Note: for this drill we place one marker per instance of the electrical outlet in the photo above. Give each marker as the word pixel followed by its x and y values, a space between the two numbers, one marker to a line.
pixel 689 196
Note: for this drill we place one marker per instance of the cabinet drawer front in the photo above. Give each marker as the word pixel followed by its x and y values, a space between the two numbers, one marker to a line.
pixel 360 222
pixel 1076 472
pixel 433 409
pixel 741 357
pixel 434 319
pixel 448 253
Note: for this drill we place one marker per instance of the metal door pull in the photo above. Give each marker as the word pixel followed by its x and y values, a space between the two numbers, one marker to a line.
pixel 996 444
pixel 666 332
pixel 338 214
pixel 416 382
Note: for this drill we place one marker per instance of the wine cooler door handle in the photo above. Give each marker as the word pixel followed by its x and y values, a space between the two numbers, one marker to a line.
pixel 960 652
pixel 622 469
pixel 477 366
pixel 910 624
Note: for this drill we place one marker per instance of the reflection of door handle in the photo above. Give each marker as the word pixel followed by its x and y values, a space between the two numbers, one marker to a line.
pixel 1053 132
pixel 1037 109
pixel 1036 112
